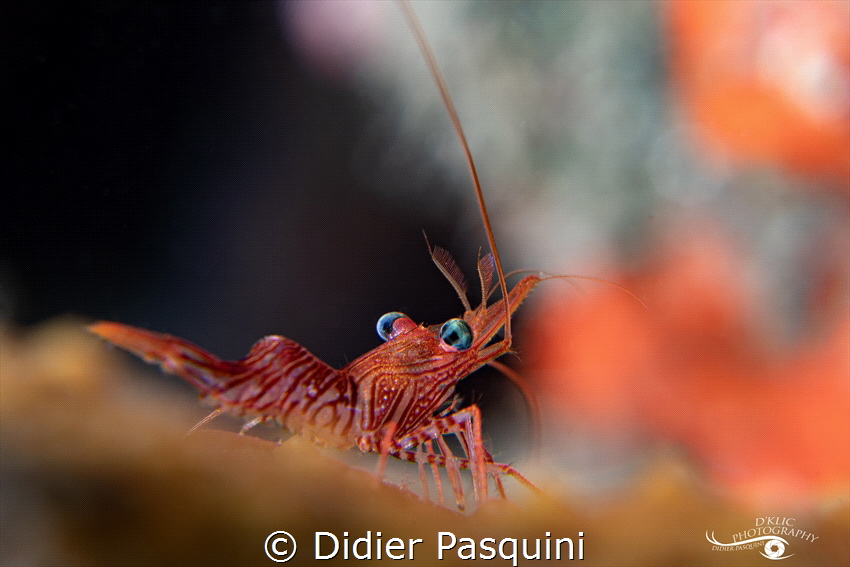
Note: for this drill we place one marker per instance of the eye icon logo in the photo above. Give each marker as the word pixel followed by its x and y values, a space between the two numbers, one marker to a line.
pixel 774 547
pixel 280 546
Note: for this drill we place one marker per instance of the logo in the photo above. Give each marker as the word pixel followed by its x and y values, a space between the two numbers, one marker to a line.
pixel 766 537
pixel 774 547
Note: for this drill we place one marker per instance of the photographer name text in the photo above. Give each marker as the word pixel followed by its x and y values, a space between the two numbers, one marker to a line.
pixel 376 546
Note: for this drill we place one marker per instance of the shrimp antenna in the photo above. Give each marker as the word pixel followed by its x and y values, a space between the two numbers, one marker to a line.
pixel 428 55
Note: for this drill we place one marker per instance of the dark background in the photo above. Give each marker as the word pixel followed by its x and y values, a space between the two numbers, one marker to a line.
pixel 177 167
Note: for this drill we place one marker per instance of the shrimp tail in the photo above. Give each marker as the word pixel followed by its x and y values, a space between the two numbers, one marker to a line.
pixel 205 371
pixel 273 380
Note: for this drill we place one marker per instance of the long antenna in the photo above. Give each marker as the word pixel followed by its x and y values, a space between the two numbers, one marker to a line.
pixel 419 34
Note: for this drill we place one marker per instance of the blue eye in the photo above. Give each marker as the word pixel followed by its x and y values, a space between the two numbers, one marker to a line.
pixel 456 333
pixel 385 324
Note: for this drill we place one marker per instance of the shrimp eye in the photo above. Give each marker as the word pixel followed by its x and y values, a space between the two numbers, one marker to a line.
pixel 385 324
pixel 457 334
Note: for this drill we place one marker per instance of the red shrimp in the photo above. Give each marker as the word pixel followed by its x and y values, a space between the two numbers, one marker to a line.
pixel 397 399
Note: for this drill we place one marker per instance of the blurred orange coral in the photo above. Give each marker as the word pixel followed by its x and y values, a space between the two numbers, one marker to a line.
pixel 701 370
pixel 766 82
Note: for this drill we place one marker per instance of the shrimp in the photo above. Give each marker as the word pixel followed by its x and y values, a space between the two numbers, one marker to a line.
pixel 397 400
